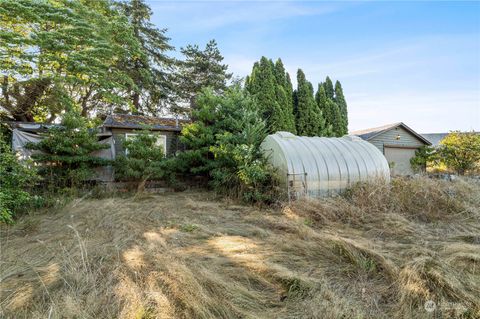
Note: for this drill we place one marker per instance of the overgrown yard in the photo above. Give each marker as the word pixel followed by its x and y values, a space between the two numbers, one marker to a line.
pixel 378 252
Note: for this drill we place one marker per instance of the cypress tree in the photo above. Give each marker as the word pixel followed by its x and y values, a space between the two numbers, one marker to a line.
pixel 295 110
pixel 327 109
pixel 269 85
pixel 329 88
pixel 310 118
pixel 262 85
pixel 342 106
pixel 284 96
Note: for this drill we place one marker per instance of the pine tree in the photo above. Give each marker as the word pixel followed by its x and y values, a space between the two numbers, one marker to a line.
pixel 144 161
pixel 310 120
pixel 151 70
pixel 199 70
pixel 342 106
pixel 66 158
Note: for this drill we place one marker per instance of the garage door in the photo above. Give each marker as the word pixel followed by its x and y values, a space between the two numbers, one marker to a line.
pixel 400 157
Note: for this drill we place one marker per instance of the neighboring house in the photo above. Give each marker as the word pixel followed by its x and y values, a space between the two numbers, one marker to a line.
pixel 435 138
pixel 122 126
pixel 397 142
pixel 114 130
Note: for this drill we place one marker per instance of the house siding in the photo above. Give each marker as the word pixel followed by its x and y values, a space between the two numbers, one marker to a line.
pixel 389 138
pixel 119 136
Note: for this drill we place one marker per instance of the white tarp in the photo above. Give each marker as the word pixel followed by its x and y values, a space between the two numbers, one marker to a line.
pixel 21 138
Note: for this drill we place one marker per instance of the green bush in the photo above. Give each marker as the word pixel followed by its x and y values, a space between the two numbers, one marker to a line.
pixel 16 179
pixel 65 160
pixel 423 157
pixel 144 159
pixel 460 151
pixel 223 145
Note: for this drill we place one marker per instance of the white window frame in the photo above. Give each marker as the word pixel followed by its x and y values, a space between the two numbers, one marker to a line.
pixel 162 137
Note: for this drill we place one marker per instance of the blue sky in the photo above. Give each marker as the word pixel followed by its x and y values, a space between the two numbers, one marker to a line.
pixel 416 62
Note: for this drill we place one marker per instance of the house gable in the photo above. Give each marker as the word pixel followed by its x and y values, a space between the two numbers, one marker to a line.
pixel 399 137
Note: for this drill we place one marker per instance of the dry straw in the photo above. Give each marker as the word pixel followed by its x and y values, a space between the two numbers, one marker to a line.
pixel 379 251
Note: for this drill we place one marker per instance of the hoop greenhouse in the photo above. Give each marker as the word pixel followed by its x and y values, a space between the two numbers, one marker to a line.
pixel 323 166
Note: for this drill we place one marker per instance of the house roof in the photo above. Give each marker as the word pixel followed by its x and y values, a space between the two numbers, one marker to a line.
pixel 368 134
pixel 31 126
pixel 140 122
pixel 435 138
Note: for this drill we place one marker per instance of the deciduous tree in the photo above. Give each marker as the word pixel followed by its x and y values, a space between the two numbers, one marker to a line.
pixel 56 54
pixel 460 151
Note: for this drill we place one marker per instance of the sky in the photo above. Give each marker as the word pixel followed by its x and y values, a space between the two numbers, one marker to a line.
pixel 412 62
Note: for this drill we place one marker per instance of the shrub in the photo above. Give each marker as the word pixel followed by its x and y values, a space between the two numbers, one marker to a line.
pixel 423 157
pixel 15 181
pixel 65 159
pixel 144 159
pixel 460 151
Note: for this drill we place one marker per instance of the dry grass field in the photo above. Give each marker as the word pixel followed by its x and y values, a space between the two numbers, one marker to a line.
pixel 377 252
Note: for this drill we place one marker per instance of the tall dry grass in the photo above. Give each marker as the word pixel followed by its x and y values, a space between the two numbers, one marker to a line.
pixel 379 251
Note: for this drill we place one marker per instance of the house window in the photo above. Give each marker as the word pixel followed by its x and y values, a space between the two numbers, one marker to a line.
pixel 161 141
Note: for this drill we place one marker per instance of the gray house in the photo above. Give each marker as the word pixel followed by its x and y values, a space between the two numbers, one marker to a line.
pixel 397 142
pixel 123 126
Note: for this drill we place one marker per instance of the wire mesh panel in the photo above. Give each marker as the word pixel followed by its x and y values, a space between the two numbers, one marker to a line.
pixel 297 186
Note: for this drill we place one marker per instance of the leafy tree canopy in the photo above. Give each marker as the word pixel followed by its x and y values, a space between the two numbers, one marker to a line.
pixel 56 54
pixel 460 151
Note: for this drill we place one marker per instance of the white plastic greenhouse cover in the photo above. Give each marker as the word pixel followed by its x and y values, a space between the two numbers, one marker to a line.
pixel 323 166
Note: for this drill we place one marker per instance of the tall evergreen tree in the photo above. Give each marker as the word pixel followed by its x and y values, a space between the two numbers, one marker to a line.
pixel 151 71
pixel 329 90
pixel 284 97
pixel 328 109
pixel 342 106
pixel 199 70
pixel 263 86
pixel 310 120
pixel 269 83
pixel 334 108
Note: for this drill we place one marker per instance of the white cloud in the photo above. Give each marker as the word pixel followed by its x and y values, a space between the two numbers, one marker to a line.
pixel 198 16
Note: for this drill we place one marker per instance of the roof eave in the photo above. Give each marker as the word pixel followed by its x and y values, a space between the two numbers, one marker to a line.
pixel 420 137
pixel 163 128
